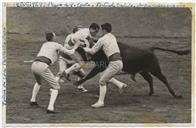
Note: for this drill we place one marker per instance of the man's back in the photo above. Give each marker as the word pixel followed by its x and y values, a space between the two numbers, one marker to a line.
pixel 110 45
pixel 81 34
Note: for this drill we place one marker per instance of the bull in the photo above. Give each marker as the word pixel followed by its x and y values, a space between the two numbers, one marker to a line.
pixel 135 60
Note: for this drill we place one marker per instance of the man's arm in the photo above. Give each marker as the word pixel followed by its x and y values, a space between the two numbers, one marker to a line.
pixel 68 38
pixel 86 43
pixel 95 48
pixel 66 51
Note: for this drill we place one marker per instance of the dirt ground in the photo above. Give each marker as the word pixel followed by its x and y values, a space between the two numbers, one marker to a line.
pixel 133 106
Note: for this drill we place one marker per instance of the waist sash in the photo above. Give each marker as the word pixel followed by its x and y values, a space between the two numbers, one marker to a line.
pixel 43 59
pixel 115 57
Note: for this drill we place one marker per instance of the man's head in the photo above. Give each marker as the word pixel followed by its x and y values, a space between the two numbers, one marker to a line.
pixel 94 29
pixel 75 29
pixel 50 36
pixel 106 28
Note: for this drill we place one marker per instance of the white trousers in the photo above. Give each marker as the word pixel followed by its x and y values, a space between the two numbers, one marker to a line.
pixel 41 71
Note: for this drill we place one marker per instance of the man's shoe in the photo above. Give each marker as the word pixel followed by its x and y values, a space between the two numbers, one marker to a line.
pixel 34 104
pixel 121 90
pixel 81 88
pixel 51 111
pixel 97 105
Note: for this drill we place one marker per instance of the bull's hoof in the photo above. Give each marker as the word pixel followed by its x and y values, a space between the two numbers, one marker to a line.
pixel 178 97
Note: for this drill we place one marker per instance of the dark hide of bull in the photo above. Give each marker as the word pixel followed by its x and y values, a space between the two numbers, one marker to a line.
pixel 135 60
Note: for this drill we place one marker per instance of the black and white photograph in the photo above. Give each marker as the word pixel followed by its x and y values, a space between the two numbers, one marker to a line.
pixel 98 64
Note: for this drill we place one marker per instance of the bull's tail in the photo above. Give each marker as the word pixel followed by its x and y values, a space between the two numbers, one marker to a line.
pixel 179 52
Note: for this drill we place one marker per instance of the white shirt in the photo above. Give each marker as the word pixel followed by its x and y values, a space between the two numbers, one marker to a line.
pixel 81 36
pixel 68 40
pixel 51 50
pixel 108 43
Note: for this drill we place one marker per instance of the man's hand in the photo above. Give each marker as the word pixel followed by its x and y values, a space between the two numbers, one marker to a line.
pixel 86 49
pixel 83 45
pixel 72 51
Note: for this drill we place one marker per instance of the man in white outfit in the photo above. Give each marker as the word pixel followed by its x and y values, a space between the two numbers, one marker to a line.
pixel 81 37
pixel 46 57
pixel 110 47
pixel 64 61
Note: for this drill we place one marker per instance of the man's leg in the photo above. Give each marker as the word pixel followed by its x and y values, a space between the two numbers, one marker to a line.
pixel 50 78
pixel 112 69
pixel 53 96
pixel 34 94
pixel 62 67
pixel 81 75
pixel 119 84
pixel 37 85
pixel 74 67
pixel 77 66
pixel 62 64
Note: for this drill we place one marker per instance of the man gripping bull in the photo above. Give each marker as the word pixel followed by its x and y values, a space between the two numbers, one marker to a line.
pixel 110 47
pixel 47 56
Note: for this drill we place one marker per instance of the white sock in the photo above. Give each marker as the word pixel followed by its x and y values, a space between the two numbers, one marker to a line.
pixel 34 92
pixel 102 93
pixel 53 97
pixel 75 66
pixel 116 82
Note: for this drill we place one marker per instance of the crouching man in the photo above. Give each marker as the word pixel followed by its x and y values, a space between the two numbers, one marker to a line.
pixel 110 47
pixel 46 57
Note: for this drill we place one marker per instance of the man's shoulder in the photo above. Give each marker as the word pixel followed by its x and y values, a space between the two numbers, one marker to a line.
pixel 54 43
pixel 70 35
pixel 101 38
pixel 111 35
pixel 83 30
pixel 106 36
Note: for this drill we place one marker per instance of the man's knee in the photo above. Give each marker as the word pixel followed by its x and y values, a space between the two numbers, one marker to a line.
pixel 102 82
pixel 56 85
pixel 38 79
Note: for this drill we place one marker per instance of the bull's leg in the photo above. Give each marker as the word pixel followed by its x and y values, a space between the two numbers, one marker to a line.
pixel 149 79
pixel 92 73
pixel 162 78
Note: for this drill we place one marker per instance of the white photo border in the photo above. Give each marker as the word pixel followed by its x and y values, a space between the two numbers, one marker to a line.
pixel 96 4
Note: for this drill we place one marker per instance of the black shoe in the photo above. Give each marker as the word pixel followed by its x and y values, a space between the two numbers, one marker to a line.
pixel 51 112
pixel 34 104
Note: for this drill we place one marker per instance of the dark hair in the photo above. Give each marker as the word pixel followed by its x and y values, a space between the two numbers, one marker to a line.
pixel 107 27
pixel 49 36
pixel 94 26
pixel 75 29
